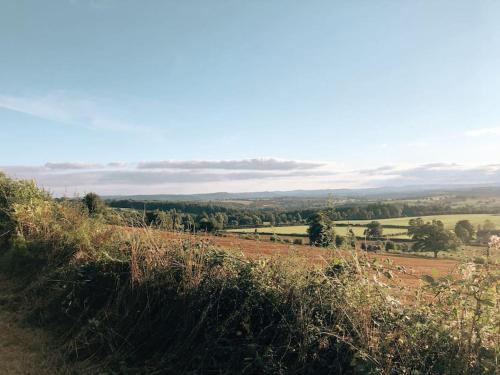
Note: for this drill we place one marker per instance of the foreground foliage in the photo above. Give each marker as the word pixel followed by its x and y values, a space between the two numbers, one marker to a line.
pixel 137 302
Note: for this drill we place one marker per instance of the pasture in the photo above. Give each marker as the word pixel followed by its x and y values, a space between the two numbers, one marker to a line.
pixel 448 220
pixel 302 230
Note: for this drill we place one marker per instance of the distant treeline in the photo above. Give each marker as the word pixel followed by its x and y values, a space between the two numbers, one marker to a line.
pixel 229 217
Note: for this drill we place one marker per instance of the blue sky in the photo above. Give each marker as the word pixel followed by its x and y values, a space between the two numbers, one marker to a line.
pixel 351 86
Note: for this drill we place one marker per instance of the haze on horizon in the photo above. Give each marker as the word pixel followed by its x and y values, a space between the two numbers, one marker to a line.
pixel 123 97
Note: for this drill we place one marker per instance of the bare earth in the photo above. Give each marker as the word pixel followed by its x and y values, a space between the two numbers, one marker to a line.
pixel 414 266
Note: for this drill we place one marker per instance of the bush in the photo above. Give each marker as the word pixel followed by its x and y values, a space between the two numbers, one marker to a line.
pixel 389 245
pixel 275 238
pixel 403 247
pixel 298 241
pixel 480 260
pixel 339 241
pixel 139 303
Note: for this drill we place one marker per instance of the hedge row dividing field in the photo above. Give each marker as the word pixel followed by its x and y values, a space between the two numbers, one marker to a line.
pixel 390 232
pixel 449 221
pixel 302 230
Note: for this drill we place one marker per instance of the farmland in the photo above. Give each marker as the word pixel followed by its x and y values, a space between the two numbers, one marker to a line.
pixel 302 230
pixel 448 220
pixel 156 289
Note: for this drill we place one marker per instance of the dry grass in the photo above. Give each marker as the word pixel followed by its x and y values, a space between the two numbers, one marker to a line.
pixel 153 302
pixel 408 268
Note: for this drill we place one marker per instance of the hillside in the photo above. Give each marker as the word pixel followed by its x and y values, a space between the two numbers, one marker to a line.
pixel 136 300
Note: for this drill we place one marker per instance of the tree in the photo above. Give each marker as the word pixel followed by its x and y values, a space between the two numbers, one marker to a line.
pixel 389 245
pixel 188 223
pixel 94 203
pixel 464 230
pixel 433 237
pixel 162 220
pixel 373 229
pixel 221 220
pixel 206 224
pixel 414 224
pixel 339 241
pixel 320 231
pixel 176 218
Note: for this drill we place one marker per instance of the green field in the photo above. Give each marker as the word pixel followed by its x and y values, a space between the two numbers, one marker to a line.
pixel 448 220
pixel 302 229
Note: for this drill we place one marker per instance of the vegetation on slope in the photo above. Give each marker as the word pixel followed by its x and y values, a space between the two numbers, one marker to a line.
pixel 135 302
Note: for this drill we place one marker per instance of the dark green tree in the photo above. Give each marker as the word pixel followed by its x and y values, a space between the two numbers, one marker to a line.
pixel 414 224
pixel 465 231
pixel 94 203
pixel 321 231
pixel 339 241
pixel 374 229
pixel 433 237
pixel 205 224
pixel 188 223
pixel 389 245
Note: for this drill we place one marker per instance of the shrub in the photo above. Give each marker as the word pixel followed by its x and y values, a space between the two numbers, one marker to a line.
pixel 480 260
pixel 403 247
pixel 339 241
pixel 275 238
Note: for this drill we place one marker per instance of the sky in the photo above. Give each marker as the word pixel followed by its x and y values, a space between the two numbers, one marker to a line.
pixel 135 97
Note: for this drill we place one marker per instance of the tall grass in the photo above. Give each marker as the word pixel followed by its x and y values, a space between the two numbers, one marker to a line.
pixel 130 300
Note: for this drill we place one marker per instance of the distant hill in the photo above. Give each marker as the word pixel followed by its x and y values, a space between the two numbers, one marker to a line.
pixel 400 192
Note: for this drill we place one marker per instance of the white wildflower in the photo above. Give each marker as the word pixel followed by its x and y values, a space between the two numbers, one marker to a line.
pixel 494 243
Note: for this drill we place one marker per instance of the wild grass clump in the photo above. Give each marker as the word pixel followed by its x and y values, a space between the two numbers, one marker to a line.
pixel 131 300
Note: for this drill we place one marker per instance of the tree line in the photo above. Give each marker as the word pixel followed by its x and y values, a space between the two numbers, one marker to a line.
pixel 236 217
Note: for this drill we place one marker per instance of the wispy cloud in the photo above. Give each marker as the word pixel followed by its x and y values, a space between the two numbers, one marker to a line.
pixel 75 110
pixel 240 175
pixel 72 166
pixel 246 164
pixel 483 131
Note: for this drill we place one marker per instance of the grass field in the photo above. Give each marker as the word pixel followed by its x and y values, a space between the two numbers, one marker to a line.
pixel 302 229
pixel 448 220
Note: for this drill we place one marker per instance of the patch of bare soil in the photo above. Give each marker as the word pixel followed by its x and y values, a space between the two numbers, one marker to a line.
pixel 408 268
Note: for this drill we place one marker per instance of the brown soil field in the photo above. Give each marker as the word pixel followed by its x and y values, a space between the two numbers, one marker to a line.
pixel 407 269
